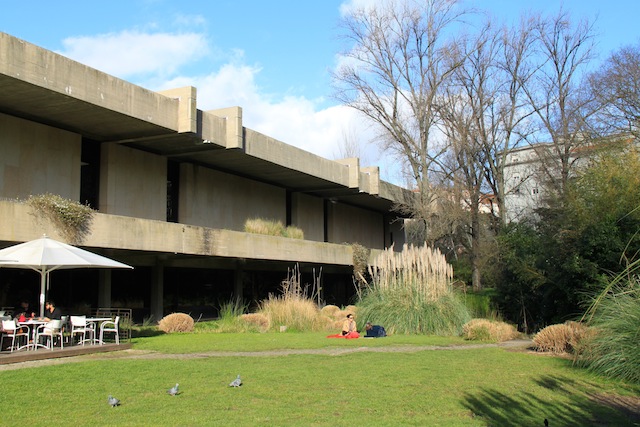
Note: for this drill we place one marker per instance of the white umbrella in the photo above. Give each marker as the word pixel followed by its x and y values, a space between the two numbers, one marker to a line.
pixel 45 255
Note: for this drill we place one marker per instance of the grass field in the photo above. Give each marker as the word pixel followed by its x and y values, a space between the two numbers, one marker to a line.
pixel 358 387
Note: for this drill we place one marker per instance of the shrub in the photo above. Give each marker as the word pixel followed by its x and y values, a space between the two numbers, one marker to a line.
pixel 561 338
pixel 176 322
pixel 72 219
pixel 489 330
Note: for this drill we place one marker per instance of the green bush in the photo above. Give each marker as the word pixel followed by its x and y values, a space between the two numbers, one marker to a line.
pixel 479 304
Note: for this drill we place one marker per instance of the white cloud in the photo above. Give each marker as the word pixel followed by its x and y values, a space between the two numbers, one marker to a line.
pixel 130 53
pixel 159 61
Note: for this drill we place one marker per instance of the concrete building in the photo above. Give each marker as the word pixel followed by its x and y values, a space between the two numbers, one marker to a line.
pixel 172 186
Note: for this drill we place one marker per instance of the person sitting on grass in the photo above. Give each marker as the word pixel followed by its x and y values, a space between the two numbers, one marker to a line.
pixel 349 329
pixel 374 331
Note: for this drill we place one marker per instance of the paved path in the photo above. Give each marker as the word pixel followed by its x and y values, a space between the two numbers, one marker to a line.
pixel 147 355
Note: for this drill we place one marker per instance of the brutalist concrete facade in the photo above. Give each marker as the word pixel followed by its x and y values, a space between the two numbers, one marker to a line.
pixel 173 186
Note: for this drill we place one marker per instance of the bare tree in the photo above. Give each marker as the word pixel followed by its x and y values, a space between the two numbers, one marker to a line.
pixel 510 112
pixel 484 115
pixel 616 86
pixel 402 55
pixel 556 95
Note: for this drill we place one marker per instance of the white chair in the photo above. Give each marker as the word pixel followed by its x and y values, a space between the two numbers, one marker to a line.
pixel 49 331
pixel 79 327
pixel 15 332
pixel 110 326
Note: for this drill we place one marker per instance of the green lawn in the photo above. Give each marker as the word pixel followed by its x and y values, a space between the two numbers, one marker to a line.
pixel 466 387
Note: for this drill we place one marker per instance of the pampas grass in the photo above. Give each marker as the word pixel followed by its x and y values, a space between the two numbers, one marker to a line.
pixel 421 268
pixel 411 292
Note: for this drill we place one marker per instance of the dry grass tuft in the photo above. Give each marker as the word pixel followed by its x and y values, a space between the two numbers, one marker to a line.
pixel 296 313
pixel 272 228
pixel 331 311
pixel 489 330
pixel 561 338
pixel 176 322
pixel 259 320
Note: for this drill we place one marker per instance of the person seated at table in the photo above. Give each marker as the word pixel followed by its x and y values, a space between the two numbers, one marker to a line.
pixel 51 312
pixel 24 312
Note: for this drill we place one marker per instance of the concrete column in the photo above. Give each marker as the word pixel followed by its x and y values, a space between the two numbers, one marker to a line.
pixel 238 292
pixel 157 291
pixel 104 288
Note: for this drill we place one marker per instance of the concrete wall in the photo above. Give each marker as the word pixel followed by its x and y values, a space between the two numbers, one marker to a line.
pixel 38 159
pixel 307 213
pixel 348 224
pixel 174 240
pixel 210 198
pixel 132 183
pixel 394 233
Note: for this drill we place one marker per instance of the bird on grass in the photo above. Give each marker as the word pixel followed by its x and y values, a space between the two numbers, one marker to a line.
pixel 546 422
pixel 236 383
pixel 173 390
pixel 113 401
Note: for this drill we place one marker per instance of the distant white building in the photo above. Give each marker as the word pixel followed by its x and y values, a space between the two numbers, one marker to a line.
pixel 528 171
pixel 523 183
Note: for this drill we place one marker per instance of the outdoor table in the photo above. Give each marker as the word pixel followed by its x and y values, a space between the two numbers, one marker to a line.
pixel 96 321
pixel 32 325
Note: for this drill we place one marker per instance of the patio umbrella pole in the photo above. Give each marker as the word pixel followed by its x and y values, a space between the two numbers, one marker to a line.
pixel 43 279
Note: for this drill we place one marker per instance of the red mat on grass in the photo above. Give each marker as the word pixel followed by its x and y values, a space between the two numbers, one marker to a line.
pixel 348 336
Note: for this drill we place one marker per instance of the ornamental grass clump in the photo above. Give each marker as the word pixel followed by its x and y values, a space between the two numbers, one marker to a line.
pixel 295 308
pixel 561 338
pixel 614 350
pixel 411 293
pixel 489 330
pixel 272 228
pixel 176 322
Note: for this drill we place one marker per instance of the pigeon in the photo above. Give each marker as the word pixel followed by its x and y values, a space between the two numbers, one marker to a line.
pixel 113 401
pixel 236 383
pixel 173 390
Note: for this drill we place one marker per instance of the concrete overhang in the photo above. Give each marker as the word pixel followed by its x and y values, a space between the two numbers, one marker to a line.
pixel 45 87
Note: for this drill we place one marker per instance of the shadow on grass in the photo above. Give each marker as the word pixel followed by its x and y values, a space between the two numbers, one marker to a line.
pixel 562 402
pixel 145 332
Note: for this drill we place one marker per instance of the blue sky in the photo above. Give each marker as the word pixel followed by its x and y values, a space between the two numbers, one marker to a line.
pixel 270 57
